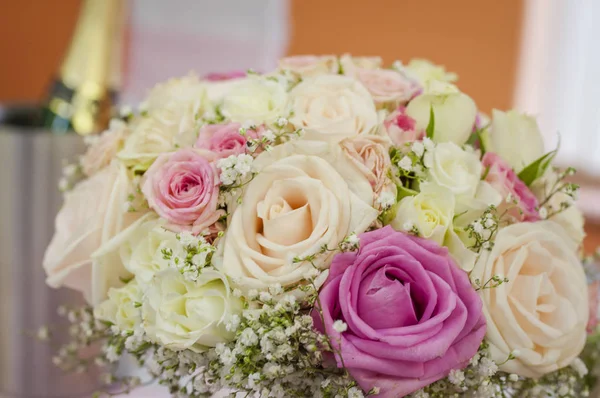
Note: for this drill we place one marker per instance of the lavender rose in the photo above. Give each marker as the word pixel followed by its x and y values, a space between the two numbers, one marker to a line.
pixel 182 187
pixel 412 314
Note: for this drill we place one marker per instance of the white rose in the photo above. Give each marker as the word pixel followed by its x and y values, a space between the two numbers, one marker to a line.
pixel 332 107
pixel 455 169
pixel 295 187
pixel 454 111
pixel 122 308
pixel 425 71
pixel 516 138
pixel 180 314
pixel 431 213
pixel 255 99
pixel 543 310
pixel 181 92
pixel 140 248
pixel 310 65
pixel 93 213
pixel 149 138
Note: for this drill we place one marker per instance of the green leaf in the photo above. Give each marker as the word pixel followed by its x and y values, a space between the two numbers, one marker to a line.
pixel 126 280
pixel 481 136
pixel 537 168
pixel 431 125
pixel 404 192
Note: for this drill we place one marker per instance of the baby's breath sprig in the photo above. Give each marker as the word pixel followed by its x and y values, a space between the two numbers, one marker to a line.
pixel 72 173
pixel 560 186
pixel 410 162
pixel 349 243
pixel 483 230
pixel 491 283
pixel 197 255
pixel 279 132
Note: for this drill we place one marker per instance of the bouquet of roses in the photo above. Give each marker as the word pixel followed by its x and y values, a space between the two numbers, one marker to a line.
pixel 330 229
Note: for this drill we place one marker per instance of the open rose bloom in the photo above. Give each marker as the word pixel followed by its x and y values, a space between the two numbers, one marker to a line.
pixel 334 228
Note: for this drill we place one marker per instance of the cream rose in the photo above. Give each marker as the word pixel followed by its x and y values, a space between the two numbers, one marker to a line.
pixel 310 65
pixel 93 213
pixel 516 138
pixel 122 308
pixel 431 214
pixel 295 187
pixel 369 154
pixel 543 310
pixel 454 168
pixel 455 112
pixel 256 99
pixel 331 108
pixel 180 314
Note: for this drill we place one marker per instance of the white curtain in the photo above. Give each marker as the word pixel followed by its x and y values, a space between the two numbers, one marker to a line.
pixel 559 77
pixel 172 38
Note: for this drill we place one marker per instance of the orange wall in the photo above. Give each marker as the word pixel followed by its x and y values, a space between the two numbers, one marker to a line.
pixel 478 39
pixel 34 35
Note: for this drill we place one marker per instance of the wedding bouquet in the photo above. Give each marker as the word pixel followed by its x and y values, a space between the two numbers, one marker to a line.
pixel 331 229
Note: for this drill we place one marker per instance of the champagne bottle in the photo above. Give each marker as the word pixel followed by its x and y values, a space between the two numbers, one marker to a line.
pixel 80 98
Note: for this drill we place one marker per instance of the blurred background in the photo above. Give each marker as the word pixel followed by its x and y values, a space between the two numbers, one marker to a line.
pixel 539 56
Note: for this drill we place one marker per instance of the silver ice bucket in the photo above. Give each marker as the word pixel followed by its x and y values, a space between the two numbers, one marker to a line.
pixel 30 167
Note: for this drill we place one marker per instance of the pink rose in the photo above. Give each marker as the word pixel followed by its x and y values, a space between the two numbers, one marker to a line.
pixel 224 139
pixel 310 65
pixel 216 77
pixel 402 128
pixel 412 314
pixel 387 86
pixel 183 188
pixel 504 180
pixel 369 153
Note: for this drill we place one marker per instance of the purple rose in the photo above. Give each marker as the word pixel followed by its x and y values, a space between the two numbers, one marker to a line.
pixel 412 314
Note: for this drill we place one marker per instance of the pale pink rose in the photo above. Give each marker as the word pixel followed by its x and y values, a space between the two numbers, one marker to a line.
pixel 387 86
pixel 224 139
pixel 93 213
pixel 105 148
pixel 183 188
pixel 402 128
pixel 310 65
pixel 504 180
pixel 369 153
pixel 217 77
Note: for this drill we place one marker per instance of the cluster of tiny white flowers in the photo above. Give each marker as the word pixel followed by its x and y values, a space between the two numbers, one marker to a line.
pixel 483 230
pixel 350 243
pixel 482 379
pixel 417 159
pixel 386 200
pixel 235 168
pixel 191 256
pixel 275 352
